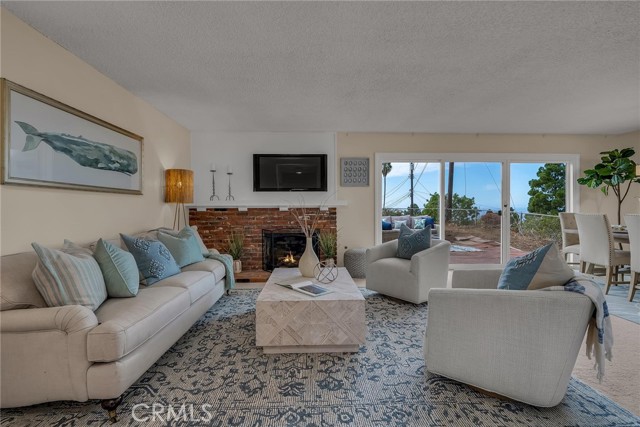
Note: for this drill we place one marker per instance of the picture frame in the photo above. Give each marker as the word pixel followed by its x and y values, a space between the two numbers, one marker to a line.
pixel 47 143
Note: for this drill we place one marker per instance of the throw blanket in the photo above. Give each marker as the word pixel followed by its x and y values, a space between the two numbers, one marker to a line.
pixel 599 330
pixel 227 261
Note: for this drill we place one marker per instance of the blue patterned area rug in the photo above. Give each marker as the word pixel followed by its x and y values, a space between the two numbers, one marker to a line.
pixel 216 376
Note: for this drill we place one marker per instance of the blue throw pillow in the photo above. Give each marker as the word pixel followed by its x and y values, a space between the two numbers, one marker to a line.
pixel 184 246
pixel 410 242
pixel 154 260
pixel 118 268
pixel 428 221
pixel 418 224
pixel 536 270
pixel 387 225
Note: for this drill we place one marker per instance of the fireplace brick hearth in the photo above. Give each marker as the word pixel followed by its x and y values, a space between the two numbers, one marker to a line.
pixel 215 225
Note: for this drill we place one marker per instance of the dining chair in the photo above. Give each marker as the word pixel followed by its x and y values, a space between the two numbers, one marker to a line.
pixel 597 247
pixel 633 227
pixel 570 237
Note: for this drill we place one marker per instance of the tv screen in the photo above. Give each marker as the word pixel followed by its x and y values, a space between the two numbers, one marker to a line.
pixel 289 172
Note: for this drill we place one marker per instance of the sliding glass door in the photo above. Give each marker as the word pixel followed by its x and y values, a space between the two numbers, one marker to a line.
pixel 491 207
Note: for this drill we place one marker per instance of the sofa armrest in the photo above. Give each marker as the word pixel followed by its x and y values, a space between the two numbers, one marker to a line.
pixel 44 354
pixel 69 319
pixel 476 279
pixel 385 250
pixel 519 344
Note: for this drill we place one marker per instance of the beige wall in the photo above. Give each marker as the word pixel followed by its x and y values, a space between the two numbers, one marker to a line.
pixel 356 221
pixel 48 216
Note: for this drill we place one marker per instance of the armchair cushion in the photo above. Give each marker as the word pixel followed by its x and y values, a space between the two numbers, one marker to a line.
pixel 410 242
pixel 536 270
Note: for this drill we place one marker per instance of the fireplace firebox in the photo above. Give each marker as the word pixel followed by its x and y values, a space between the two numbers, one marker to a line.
pixel 283 248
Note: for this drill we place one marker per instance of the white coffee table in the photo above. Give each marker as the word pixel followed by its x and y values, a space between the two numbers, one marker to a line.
pixel 288 321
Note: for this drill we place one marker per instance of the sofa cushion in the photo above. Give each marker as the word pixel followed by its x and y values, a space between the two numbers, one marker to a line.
pixel 70 276
pixel 405 218
pixel 154 260
pixel 183 246
pixel 411 242
pixel 211 265
pixel 119 269
pixel 18 289
pixel 127 323
pixel 536 270
pixel 198 283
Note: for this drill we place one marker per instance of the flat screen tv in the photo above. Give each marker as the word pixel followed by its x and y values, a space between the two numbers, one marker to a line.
pixel 289 172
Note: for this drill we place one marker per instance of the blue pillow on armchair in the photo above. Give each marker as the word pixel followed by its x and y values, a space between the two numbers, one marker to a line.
pixel 410 242
pixel 536 270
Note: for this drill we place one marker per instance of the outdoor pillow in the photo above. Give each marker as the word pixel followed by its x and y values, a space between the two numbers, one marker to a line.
pixel 119 269
pixel 410 242
pixel 536 270
pixel 183 246
pixel 418 223
pixel 397 225
pixel 154 260
pixel 428 221
pixel 386 225
pixel 69 276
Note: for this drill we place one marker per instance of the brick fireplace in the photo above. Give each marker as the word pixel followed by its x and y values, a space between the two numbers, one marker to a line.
pixel 215 224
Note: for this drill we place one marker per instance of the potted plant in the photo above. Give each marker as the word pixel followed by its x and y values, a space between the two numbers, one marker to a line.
pixel 615 169
pixel 235 248
pixel 327 240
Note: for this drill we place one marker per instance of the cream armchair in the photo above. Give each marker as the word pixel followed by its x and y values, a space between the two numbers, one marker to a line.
pixel 408 280
pixel 519 344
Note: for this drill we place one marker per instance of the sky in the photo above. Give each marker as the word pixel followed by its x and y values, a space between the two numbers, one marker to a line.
pixel 479 180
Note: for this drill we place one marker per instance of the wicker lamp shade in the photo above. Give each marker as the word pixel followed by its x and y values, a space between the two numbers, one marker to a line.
pixel 178 186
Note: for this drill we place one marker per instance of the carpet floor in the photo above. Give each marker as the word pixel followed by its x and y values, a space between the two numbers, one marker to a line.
pixel 214 375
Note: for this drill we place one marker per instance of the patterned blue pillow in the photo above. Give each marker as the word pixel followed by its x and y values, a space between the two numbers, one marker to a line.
pixel 536 270
pixel 410 242
pixel 154 260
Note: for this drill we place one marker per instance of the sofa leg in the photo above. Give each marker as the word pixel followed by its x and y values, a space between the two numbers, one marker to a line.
pixel 110 405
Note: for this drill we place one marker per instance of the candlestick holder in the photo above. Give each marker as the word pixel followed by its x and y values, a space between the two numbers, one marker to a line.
pixel 230 197
pixel 213 186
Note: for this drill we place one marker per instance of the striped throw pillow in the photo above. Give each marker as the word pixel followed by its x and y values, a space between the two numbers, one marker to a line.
pixel 70 276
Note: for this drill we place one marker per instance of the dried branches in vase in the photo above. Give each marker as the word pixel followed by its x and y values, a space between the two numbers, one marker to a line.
pixel 306 220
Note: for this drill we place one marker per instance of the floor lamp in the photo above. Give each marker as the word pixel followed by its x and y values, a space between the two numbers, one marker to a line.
pixel 179 190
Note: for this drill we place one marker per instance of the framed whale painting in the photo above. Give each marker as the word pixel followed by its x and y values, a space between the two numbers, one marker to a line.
pixel 48 143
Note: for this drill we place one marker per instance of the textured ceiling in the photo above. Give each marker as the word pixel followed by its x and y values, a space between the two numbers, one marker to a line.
pixel 471 67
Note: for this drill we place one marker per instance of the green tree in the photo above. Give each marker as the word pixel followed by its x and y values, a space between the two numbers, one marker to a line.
pixel 548 190
pixel 464 209
pixel 386 168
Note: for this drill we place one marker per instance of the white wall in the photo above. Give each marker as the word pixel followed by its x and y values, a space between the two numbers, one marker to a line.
pixel 236 149
pixel 50 215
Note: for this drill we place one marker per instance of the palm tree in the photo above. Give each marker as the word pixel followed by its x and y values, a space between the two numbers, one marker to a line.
pixel 386 168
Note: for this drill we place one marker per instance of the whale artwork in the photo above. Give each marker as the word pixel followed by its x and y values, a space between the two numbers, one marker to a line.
pixel 84 152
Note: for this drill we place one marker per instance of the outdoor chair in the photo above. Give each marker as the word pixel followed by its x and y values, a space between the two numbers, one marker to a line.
pixel 633 227
pixel 597 247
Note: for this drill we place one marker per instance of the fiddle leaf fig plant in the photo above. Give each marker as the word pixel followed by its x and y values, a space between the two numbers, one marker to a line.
pixel 614 170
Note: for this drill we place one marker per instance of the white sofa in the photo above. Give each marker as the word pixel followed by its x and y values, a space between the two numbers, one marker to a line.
pixel 408 280
pixel 519 344
pixel 72 353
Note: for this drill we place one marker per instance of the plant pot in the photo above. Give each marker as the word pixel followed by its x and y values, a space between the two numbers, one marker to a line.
pixel 330 262
pixel 237 266
pixel 308 260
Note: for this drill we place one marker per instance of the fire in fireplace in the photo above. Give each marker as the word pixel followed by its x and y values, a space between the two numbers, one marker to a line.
pixel 283 248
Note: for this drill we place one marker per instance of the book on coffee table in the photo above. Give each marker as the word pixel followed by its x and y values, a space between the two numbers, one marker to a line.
pixel 306 287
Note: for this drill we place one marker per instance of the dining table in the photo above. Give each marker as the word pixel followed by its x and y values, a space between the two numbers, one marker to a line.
pixel 620 235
